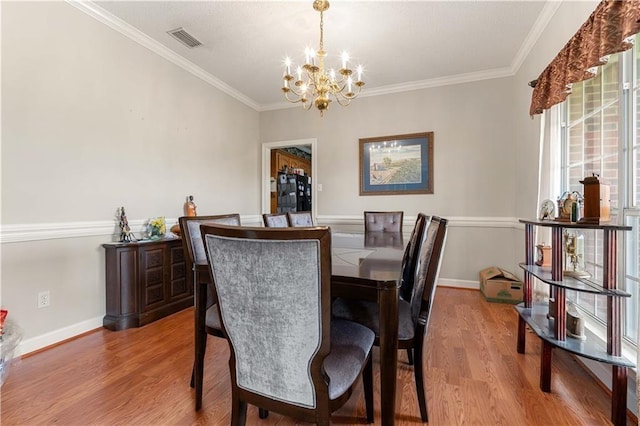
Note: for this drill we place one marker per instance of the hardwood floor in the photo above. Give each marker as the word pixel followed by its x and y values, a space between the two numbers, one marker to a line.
pixel 141 377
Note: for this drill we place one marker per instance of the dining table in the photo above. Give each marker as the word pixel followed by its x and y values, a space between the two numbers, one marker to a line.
pixel 364 266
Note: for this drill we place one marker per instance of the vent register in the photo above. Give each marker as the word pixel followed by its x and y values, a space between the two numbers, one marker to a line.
pixel 184 37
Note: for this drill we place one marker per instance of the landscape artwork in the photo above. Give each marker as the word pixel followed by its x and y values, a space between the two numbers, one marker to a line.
pixel 400 164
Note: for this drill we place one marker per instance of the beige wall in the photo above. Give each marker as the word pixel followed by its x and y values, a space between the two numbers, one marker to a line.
pixel 92 121
pixel 566 21
pixel 474 167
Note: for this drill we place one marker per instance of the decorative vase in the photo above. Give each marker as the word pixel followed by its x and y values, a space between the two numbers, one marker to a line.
pixel 157 227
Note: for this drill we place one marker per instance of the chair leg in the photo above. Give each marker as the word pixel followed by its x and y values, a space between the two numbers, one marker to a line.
pixel 263 413
pixel 200 338
pixel 367 382
pixel 419 377
pixel 238 411
pixel 410 355
pixel 198 368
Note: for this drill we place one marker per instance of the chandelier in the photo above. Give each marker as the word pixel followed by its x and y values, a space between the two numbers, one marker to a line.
pixel 312 84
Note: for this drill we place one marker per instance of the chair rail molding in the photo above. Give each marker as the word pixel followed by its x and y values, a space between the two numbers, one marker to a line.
pixel 17 233
pixel 408 221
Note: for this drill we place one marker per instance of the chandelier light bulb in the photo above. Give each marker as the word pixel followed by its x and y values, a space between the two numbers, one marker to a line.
pixel 345 59
pixel 287 63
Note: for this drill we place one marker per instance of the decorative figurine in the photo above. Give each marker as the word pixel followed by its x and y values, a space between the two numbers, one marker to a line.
pixel 574 262
pixel 126 236
pixel 547 210
pixel 190 207
pixel 575 322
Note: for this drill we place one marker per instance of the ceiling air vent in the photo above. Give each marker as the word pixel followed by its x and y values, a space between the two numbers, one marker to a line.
pixel 184 37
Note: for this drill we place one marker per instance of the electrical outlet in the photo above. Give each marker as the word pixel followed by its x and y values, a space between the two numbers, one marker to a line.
pixel 44 299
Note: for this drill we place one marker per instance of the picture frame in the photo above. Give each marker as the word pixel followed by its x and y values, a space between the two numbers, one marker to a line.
pixel 394 165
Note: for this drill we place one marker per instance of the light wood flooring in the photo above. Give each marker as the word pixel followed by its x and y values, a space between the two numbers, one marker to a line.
pixel 141 377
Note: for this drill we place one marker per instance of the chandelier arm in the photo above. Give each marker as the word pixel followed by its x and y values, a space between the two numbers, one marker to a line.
pixel 295 101
pixel 342 101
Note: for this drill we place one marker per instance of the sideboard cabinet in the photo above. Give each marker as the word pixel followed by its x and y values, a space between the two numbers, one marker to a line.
pixel 548 322
pixel 145 281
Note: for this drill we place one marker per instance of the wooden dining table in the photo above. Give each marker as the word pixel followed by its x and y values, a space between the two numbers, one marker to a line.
pixel 365 266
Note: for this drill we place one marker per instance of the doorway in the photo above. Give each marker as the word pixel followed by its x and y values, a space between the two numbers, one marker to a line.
pixel 306 145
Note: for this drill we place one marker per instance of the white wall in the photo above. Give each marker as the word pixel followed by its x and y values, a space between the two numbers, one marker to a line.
pixel 474 167
pixel 92 121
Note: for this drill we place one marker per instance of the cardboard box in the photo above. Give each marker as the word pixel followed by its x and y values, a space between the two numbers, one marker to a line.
pixel 498 285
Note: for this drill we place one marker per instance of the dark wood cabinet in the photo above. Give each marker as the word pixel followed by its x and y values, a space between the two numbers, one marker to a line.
pixel 145 281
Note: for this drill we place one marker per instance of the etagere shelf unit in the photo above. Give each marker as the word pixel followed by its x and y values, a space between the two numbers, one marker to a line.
pixel 551 328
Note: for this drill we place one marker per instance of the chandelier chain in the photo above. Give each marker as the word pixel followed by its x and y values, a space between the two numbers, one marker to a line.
pixel 321 31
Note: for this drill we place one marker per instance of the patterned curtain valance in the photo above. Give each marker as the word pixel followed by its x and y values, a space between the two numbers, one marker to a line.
pixel 608 30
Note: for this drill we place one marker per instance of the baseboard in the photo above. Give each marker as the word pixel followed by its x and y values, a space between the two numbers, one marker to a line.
pixel 602 374
pixel 465 284
pixel 57 336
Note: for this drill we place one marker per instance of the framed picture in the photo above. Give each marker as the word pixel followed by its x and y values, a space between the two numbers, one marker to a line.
pixel 401 164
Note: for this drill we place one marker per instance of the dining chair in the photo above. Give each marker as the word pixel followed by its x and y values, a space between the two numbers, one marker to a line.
pixel 276 220
pixel 410 258
pixel 287 354
pixel 413 314
pixel 383 221
pixel 300 219
pixel 207 319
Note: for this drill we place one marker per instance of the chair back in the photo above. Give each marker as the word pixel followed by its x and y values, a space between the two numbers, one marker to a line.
pixel 428 269
pixel 383 239
pixel 410 258
pixel 383 221
pixel 300 219
pixel 273 288
pixel 191 237
pixel 278 220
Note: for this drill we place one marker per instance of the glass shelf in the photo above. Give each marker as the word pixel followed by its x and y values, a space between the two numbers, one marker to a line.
pixel 576 225
pixel 585 285
pixel 536 318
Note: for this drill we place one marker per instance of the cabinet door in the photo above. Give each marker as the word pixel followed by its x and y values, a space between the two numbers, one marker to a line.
pixel 121 281
pixel 178 283
pixel 152 273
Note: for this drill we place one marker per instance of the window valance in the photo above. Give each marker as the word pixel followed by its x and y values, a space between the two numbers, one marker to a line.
pixel 607 31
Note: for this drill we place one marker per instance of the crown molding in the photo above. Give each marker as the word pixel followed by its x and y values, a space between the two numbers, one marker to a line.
pixel 144 40
pixel 138 36
pixel 548 11
pixel 415 85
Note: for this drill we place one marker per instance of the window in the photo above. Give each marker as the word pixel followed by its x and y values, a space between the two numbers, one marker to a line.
pixel 600 133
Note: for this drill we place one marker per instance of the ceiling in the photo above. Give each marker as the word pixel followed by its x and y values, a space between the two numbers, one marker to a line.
pixel 402 45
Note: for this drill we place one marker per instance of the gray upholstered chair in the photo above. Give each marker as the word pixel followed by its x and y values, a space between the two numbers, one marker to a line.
pixel 383 221
pixel 300 219
pixel 413 314
pixel 276 220
pixel 286 353
pixel 207 319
